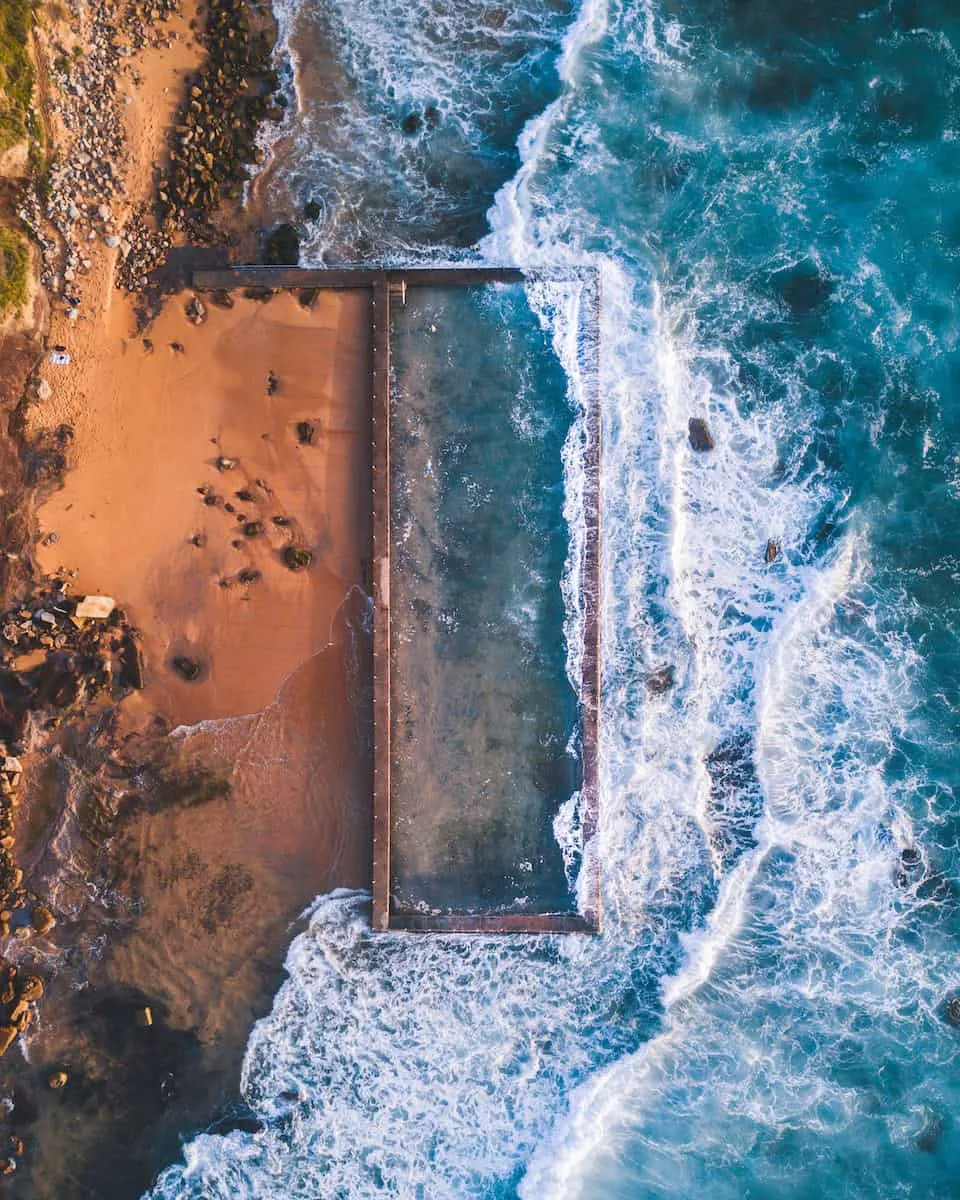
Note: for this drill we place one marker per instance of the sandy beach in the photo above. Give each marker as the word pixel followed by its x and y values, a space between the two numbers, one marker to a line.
pixel 215 484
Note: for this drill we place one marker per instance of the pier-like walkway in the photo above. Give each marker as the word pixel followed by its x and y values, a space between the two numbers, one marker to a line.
pixel 387 288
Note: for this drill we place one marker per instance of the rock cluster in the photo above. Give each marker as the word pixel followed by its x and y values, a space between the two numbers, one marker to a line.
pixel 53 657
pixel 18 993
pixel 72 205
pixel 75 202
pixel 214 135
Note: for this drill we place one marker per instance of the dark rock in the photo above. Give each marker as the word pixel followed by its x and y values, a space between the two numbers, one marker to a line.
pixel 187 668
pixel 297 558
pixel 306 431
pixel 736 798
pixel 951 1010
pixel 411 124
pixel 698 431
pixel 772 551
pixel 253 529
pixel 930 1134
pixel 660 681
pixel 282 248
pixel 308 297
pixel 131 662
pixel 249 575
pixel 196 311
pixel 312 210
pixel 273 383
pixel 222 299
pixel 431 114
pixel 802 288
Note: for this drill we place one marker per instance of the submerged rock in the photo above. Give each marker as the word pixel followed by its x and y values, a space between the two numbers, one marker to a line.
pixel 802 288
pixel 312 210
pixel 951 1010
pixel 772 551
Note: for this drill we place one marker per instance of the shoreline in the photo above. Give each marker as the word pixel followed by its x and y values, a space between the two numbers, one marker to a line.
pixel 177 824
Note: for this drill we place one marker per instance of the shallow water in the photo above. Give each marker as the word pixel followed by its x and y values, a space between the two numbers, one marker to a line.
pixel 769 192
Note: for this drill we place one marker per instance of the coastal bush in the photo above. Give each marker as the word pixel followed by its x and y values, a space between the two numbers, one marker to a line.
pixel 14 265
pixel 16 70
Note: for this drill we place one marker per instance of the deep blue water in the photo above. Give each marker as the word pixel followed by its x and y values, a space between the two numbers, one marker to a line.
pixel 770 193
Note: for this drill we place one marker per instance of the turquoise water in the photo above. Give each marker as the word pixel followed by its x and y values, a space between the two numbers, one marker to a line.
pixel 770 194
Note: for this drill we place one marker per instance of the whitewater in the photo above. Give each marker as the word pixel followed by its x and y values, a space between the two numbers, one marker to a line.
pixel 763 1013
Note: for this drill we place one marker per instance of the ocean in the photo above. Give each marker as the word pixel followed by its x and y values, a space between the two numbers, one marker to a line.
pixel 768 191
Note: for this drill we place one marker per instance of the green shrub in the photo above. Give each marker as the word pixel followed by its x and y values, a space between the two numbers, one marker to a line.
pixel 16 70
pixel 14 265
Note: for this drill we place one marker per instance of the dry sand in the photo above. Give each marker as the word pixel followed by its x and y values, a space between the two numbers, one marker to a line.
pixel 149 428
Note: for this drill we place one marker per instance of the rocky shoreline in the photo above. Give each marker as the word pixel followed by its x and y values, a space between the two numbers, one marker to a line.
pixel 75 777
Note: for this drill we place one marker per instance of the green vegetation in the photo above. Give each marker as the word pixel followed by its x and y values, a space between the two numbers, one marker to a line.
pixel 14 265
pixel 16 70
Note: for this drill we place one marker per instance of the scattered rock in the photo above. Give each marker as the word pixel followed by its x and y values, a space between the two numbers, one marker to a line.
pixel 249 575
pixel 698 431
pixel 253 529
pixel 222 299
pixel 297 558
pixel 273 383
pixel 44 390
pixel 306 431
pixel 225 464
pixel 196 311
pixel 177 347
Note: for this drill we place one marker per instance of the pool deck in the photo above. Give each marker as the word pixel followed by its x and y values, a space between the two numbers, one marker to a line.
pixel 384 285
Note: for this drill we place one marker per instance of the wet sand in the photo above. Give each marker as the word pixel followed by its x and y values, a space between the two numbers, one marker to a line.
pixel 258 773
